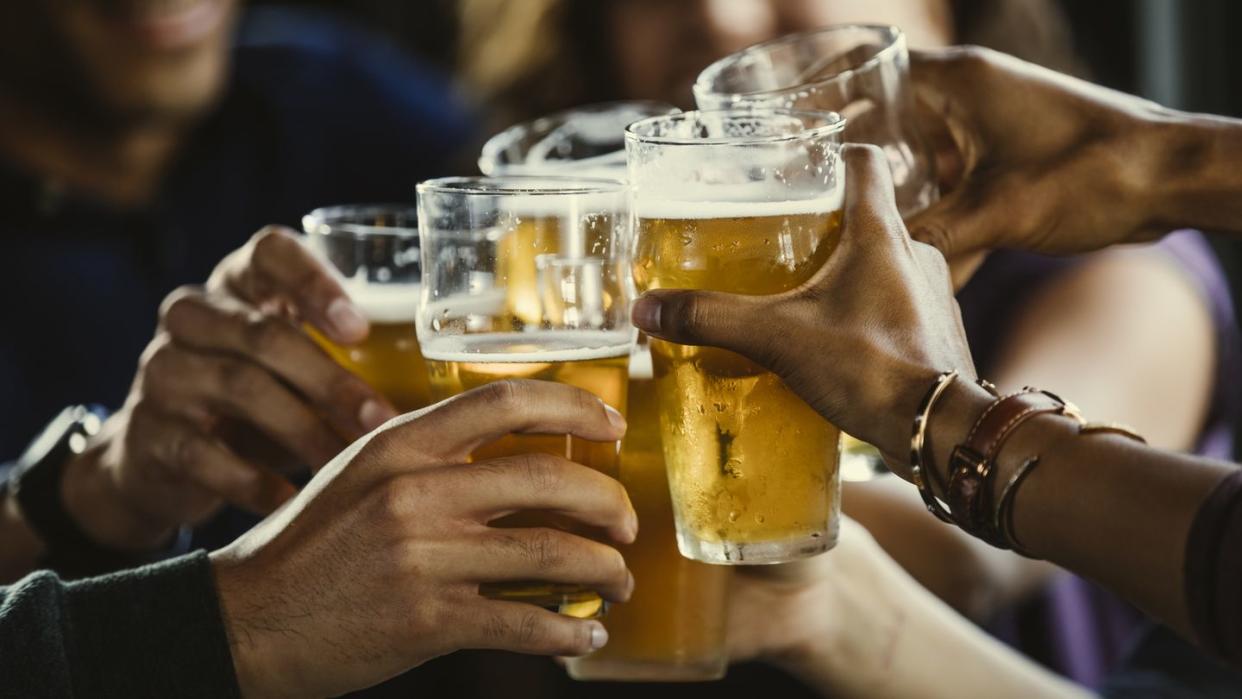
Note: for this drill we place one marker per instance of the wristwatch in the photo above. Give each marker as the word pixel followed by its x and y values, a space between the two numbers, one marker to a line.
pixel 35 483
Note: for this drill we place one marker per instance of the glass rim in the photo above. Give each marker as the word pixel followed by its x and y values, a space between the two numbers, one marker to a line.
pixel 490 155
pixel 708 74
pixel 522 185
pixel 329 220
pixel 835 124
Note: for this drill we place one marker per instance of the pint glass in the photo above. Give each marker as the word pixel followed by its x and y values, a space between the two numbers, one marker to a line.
pixel 745 202
pixel 586 141
pixel 859 71
pixel 673 628
pixel 374 250
pixel 528 277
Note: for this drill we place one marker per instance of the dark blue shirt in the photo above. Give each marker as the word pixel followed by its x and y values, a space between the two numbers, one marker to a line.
pixel 317 113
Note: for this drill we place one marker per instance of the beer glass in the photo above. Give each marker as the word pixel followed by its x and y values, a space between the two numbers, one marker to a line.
pixel 673 628
pixel 745 202
pixel 528 277
pixel 583 141
pixel 374 250
pixel 859 71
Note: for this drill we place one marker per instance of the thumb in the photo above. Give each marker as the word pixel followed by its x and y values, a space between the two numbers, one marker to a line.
pixel 729 321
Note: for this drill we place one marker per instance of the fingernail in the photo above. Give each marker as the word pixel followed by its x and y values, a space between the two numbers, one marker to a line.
pixel 633 525
pixel 629 586
pixel 615 418
pixel 346 320
pixel 599 635
pixel 646 314
pixel 373 413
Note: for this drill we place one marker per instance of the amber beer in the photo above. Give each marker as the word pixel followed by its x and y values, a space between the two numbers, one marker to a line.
pixel 388 359
pixel 753 470
pixel 594 361
pixel 673 628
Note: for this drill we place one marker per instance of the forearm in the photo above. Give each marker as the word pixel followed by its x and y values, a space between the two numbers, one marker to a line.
pixel 907 643
pixel 152 631
pixel 1103 506
pixel 1197 183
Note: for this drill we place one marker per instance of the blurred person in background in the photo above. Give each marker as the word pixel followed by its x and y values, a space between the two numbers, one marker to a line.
pixel 1030 319
pixel 141 141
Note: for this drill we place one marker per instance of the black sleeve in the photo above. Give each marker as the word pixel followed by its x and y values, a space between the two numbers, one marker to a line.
pixel 154 631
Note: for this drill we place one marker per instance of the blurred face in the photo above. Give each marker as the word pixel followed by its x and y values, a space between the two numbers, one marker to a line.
pixel 117 60
pixel 679 39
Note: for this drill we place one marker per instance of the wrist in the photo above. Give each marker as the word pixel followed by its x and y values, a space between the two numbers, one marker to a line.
pixel 860 637
pixel 1192 179
pixel 260 669
pixel 95 502
pixel 951 421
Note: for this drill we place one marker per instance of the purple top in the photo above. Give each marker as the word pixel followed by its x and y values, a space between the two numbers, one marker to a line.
pixel 1075 627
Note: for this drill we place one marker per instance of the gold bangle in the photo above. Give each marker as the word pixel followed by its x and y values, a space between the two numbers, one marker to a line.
pixel 1116 428
pixel 918 437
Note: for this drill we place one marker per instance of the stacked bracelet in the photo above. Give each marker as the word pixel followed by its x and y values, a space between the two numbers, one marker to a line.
pixel 970 490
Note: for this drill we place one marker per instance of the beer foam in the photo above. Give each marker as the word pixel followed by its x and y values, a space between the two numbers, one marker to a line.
pixel 724 204
pixel 542 346
pixel 385 303
pixel 640 364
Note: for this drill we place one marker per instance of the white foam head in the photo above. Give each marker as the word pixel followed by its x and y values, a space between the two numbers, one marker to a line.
pixel 385 303
pixel 737 201
pixel 529 347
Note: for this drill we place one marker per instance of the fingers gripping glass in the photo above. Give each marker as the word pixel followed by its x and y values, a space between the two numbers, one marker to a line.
pixel 745 202
pixel 528 277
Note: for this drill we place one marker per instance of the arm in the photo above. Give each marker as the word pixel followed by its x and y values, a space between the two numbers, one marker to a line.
pixel 1056 164
pixel 153 631
pixel 372 569
pixel 1103 506
pixel 854 624
pixel 1104 330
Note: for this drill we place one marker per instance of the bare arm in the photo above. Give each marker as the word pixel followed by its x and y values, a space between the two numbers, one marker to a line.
pixel 854 624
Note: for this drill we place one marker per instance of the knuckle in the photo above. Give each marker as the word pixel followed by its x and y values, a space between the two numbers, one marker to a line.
pixel 544 549
pixel 241 382
pixel 263 335
pixel 530 631
pixel 187 450
pixel 180 308
pixel 689 315
pixel 506 394
pixel 270 241
pixel 391 501
pixel 542 472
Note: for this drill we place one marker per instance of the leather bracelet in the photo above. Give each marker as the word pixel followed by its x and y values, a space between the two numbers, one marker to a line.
pixel 972 463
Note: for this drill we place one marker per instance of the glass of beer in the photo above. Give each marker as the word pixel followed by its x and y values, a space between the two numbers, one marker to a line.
pixel 673 628
pixel 859 71
pixel 374 250
pixel 586 141
pixel 748 202
pixel 528 277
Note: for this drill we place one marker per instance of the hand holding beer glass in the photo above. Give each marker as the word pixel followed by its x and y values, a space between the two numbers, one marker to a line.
pixel 673 627
pixel 374 249
pixel 746 202
pixel 528 277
